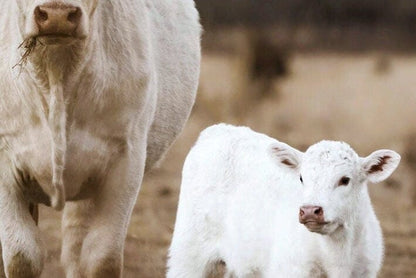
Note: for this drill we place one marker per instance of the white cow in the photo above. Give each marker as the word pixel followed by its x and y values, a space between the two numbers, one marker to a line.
pixel 243 195
pixel 97 89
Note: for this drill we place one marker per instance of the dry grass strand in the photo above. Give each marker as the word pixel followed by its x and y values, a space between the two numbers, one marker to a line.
pixel 29 46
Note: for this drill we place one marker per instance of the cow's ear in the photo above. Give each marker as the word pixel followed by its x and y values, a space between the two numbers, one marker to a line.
pixel 286 155
pixel 379 165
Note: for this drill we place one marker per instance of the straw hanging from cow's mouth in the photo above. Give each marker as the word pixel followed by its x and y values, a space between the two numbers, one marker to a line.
pixel 29 46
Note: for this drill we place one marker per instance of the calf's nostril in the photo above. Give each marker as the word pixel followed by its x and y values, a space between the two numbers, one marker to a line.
pixel 301 212
pixel 318 211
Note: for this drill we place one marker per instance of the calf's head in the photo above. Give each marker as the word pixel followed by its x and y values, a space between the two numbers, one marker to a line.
pixel 54 22
pixel 333 179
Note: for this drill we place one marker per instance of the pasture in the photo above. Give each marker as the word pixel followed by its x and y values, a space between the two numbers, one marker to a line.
pixel 366 99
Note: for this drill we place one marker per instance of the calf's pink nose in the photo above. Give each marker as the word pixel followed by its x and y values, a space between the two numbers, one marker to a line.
pixel 311 213
pixel 57 19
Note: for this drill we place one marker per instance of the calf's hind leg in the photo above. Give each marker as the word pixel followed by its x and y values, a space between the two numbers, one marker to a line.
pixel 186 260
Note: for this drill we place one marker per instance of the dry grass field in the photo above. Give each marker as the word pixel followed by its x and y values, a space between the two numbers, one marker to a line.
pixel 367 100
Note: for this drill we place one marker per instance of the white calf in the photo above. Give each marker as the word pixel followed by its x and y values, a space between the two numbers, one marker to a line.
pixel 243 195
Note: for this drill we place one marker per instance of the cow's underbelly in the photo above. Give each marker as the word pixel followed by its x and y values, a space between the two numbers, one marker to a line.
pixel 87 159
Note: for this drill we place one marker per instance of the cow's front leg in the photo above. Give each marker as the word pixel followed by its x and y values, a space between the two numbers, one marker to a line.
pixel 103 246
pixel 75 226
pixel 22 248
pixel 2 274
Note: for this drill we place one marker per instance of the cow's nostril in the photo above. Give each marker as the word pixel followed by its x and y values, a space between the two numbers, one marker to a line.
pixel 301 212
pixel 75 15
pixel 40 14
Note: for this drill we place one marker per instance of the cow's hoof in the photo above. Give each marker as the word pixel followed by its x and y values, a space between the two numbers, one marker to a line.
pixel 105 268
pixel 22 267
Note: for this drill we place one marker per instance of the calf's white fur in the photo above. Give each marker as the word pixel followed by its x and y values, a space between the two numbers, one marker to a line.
pixel 240 198
pixel 80 117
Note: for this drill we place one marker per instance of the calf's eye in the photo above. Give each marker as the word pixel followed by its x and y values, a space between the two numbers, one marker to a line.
pixel 344 181
pixel 301 180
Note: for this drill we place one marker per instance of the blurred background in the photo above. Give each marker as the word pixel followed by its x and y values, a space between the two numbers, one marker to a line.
pixel 300 71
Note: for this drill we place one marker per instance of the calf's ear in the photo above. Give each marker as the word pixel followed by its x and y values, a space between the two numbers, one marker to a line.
pixel 286 155
pixel 379 165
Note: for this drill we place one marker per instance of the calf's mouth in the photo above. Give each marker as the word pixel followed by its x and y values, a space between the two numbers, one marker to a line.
pixel 315 226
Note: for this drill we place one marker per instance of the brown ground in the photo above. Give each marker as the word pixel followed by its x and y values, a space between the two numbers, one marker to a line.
pixel 367 100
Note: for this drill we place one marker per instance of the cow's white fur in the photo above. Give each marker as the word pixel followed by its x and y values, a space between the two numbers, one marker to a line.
pixel 239 203
pixel 79 120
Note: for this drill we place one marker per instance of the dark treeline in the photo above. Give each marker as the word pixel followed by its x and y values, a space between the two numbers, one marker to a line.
pixel 343 13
